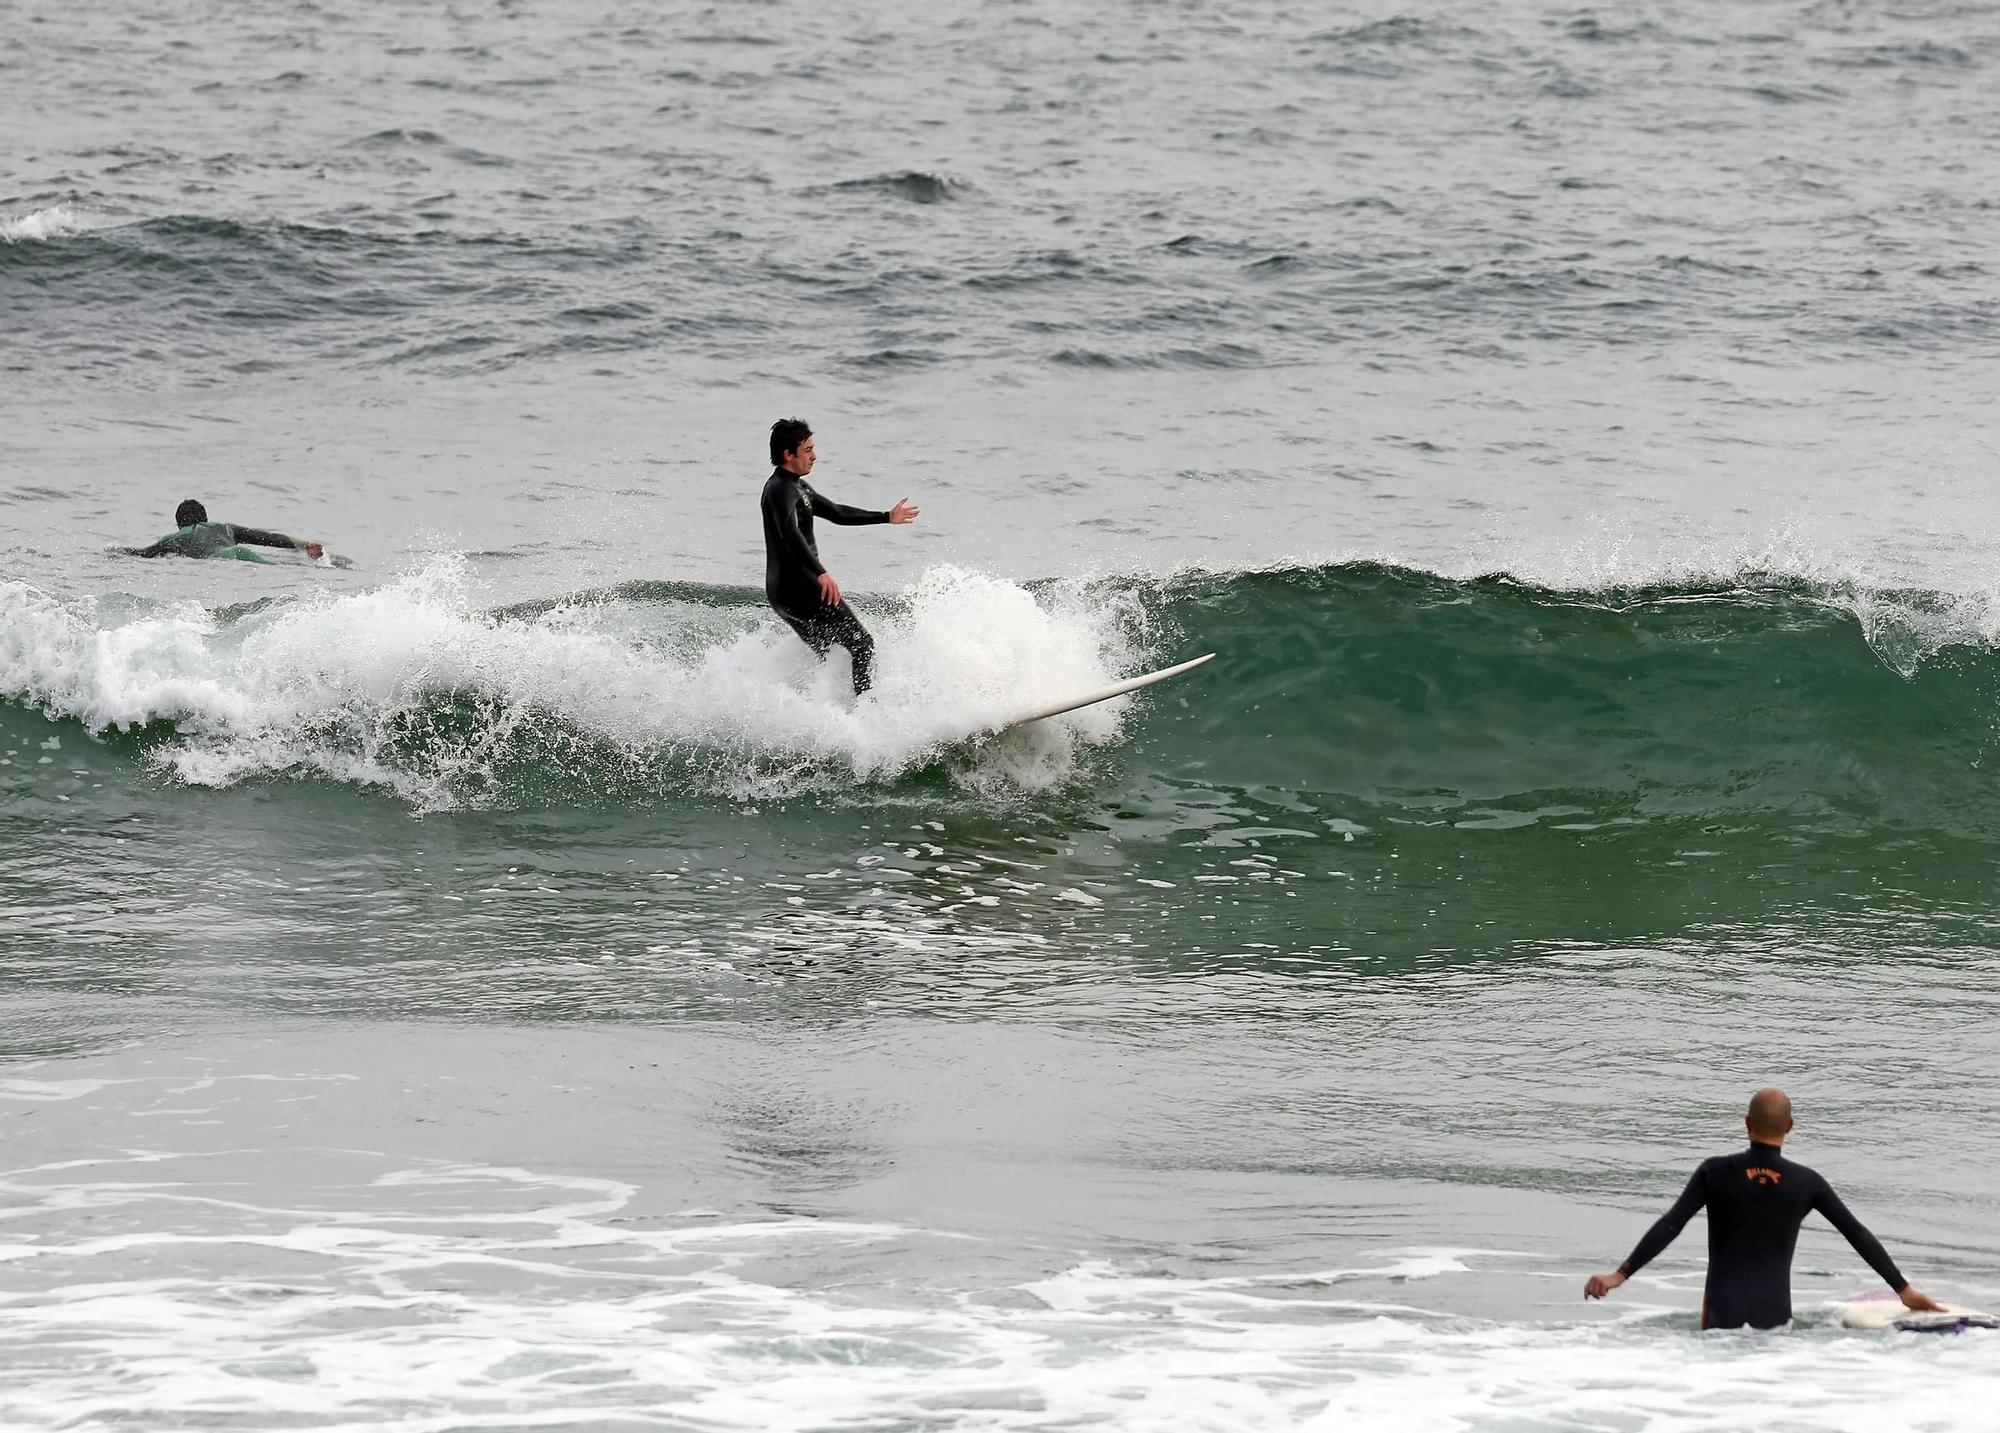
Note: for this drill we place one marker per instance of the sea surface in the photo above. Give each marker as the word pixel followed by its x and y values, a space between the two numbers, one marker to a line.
pixel 505 982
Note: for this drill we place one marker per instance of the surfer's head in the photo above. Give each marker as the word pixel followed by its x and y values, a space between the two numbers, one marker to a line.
pixel 792 445
pixel 1770 1116
pixel 189 513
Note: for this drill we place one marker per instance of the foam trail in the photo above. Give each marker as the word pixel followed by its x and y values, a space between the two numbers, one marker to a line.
pixel 467 1296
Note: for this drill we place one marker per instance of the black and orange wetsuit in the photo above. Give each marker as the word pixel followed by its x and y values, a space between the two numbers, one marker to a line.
pixel 1756 1201
pixel 792 570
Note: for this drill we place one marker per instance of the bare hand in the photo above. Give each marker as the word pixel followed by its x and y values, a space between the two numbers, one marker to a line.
pixel 1915 1298
pixel 315 551
pixel 829 590
pixel 904 511
pixel 1602 1284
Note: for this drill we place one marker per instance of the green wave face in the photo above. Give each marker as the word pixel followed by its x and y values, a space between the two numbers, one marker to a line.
pixel 1385 765
pixel 1380 762
pixel 1393 695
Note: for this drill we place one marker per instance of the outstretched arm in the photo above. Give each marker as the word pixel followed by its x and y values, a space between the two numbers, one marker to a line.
pixel 842 515
pixel 1870 1249
pixel 1665 1230
pixel 258 537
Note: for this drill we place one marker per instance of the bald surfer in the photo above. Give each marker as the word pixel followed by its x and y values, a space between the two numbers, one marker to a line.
pixel 1756 1201
pixel 796 582
pixel 196 536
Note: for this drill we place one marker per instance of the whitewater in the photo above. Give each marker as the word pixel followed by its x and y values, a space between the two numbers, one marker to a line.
pixel 336 686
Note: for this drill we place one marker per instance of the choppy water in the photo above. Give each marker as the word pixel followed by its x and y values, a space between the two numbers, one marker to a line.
pixel 503 983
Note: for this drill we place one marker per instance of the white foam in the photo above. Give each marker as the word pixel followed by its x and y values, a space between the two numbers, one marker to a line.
pixel 44 1090
pixel 54 222
pixel 336 685
pixel 461 1296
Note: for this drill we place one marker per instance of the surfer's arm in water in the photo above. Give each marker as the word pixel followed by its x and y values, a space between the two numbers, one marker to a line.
pixel 1665 1230
pixel 165 547
pixel 259 537
pixel 1836 1213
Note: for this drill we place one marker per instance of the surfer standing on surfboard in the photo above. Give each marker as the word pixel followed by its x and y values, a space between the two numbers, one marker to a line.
pixel 797 584
pixel 1756 1201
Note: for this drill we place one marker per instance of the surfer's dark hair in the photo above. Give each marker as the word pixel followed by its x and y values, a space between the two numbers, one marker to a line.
pixel 786 435
pixel 189 513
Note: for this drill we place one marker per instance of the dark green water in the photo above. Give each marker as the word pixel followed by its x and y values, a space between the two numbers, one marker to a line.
pixel 1381 767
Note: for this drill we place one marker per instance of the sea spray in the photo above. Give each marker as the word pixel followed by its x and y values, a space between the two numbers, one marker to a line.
pixel 55 222
pixel 412 686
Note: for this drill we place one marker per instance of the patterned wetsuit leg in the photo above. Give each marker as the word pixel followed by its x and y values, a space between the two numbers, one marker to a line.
pixel 837 626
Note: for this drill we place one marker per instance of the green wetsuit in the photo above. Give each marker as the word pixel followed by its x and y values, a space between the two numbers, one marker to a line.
pixel 216 539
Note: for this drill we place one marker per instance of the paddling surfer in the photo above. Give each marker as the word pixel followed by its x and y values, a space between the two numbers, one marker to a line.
pixel 1756 1201
pixel 196 536
pixel 796 582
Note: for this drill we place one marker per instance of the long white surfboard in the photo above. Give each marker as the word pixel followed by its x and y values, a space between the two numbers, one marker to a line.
pixel 1880 1309
pixel 1101 694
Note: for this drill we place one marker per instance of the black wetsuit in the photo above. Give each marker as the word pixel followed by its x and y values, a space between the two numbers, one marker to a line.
pixel 1756 1201
pixel 792 570
pixel 206 539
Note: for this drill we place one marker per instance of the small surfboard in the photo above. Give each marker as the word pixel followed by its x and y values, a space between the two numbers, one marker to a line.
pixel 1101 694
pixel 1880 1309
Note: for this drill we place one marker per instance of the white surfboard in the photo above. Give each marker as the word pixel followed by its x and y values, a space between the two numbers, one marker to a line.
pixel 1101 694
pixel 1880 1309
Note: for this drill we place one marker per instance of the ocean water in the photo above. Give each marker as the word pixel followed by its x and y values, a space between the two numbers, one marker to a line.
pixel 505 982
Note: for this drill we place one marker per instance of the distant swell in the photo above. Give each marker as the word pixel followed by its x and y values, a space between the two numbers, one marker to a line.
pixel 914 185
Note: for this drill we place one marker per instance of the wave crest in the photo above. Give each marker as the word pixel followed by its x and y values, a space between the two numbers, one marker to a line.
pixel 58 221
pixel 415 688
